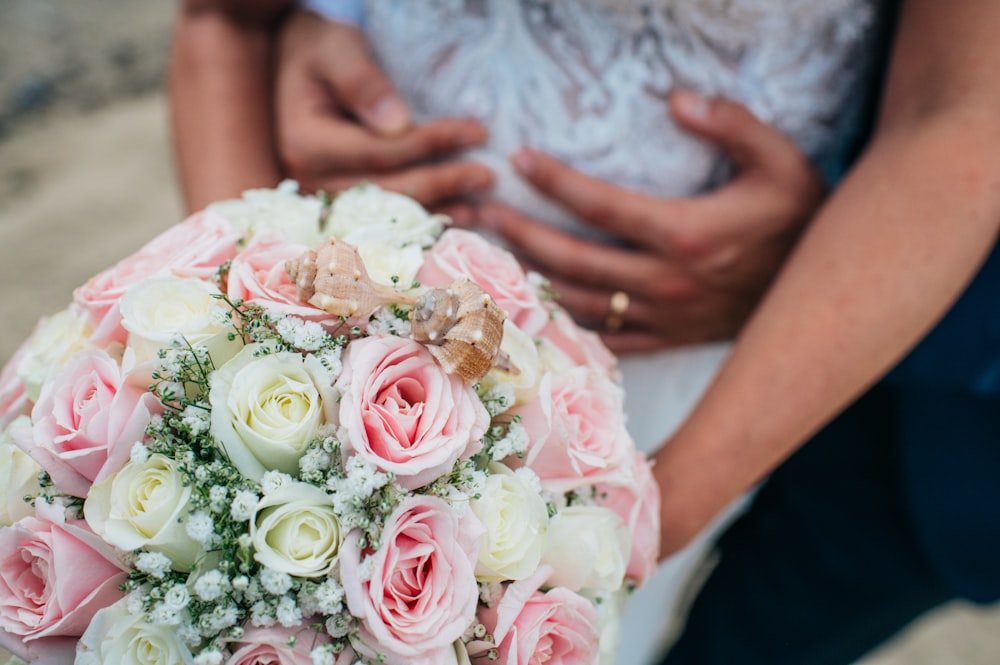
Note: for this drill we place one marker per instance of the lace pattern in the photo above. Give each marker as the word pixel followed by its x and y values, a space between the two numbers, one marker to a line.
pixel 586 80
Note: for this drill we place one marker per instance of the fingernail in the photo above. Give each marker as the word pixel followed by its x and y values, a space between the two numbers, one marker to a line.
pixel 390 114
pixel 690 103
pixel 524 162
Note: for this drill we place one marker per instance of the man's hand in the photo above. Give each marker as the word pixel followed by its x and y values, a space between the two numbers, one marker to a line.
pixel 340 121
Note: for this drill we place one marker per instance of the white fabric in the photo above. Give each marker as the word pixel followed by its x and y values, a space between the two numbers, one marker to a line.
pixel 344 11
pixel 586 81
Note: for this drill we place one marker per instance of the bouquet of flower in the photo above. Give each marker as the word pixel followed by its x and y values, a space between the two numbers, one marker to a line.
pixel 298 429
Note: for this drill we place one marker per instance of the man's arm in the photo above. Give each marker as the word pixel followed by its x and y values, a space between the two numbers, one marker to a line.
pixel 220 97
pixel 882 261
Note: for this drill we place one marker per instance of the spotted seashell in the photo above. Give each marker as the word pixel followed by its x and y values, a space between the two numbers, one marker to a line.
pixel 333 278
pixel 462 327
pixel 303 273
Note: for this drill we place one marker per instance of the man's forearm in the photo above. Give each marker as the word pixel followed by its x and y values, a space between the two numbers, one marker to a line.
pixel 881 263
pixel 220 99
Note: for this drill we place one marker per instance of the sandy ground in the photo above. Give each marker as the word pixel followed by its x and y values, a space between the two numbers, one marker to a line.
pixel 86 178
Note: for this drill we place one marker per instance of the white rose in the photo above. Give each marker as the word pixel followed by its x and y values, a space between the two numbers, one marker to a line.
pixel 267 408
pixel 610 608
pixel 283 209
pixel 523 355
pixel 116 636
pixel 56 339
pixel 588 549
pixel 517 522
pixel 156 310
pixel 145 505
pixel 295 530
pixel 391 265
pixel 367 213
pixel 18 475
pixel 553 359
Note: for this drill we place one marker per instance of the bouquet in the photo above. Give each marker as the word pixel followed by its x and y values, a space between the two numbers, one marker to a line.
pixel 302 429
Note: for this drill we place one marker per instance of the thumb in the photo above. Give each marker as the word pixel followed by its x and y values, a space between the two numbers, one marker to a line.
pixel 359 84
pixel 731 125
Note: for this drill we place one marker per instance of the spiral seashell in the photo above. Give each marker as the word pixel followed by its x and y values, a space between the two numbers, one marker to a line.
pixel 462 328
pixel 303 273
pixel 333 278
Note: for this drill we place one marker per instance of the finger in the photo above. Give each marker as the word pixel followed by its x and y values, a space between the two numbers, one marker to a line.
pixel 751 143
pixel 317 92
pixel 328 144
pixel 630 216
pixel 462 215
pixel 439 183
pixel 774 192
pixel 592 307
pixel 358 83
pixel 430 185
pixel 646 325
pixel 575 259
pixel 640 341
pixel 636 342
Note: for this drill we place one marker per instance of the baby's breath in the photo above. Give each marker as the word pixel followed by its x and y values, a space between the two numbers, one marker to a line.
pixel 390 320
pixel 209 657
pixel 156 564
pixel 498 398
pixel 181 375
pixel 363 497
pixel 211 585
pixel 505 437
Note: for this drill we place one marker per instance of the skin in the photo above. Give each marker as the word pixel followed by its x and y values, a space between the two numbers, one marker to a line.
pixel 695 267
pixel 218 96
pixel 339 121
pixel 879 263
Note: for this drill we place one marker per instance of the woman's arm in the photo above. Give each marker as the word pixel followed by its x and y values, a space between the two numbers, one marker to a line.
pixel 882 261
pixel 220 97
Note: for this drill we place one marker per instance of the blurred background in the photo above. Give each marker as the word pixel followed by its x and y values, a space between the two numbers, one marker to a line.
pixel 86 178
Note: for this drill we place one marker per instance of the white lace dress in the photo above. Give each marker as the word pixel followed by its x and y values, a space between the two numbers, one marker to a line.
pixel 586 81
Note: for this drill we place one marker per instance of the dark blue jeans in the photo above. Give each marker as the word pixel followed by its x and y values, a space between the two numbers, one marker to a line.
pixel 825 565
pixel 893 509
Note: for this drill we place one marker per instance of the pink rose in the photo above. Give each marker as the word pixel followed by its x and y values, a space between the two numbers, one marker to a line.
pixel 636 499
pixel 270 646
pixel 404 413
pixel 558 627
pixel 14 400
pixel 576 427
pixel 194 248
pixel 55 574
pixel 421 594
pixel 582 346
pixel 87 419
pixel 48 651
pixel 258 277
pixel 461 253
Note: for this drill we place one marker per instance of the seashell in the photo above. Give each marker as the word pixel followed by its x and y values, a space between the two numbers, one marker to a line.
pixel 462 328
pixel 333 278
pixel 303 273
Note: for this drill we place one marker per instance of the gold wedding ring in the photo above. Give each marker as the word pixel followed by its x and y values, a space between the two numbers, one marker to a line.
pixel 616 311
